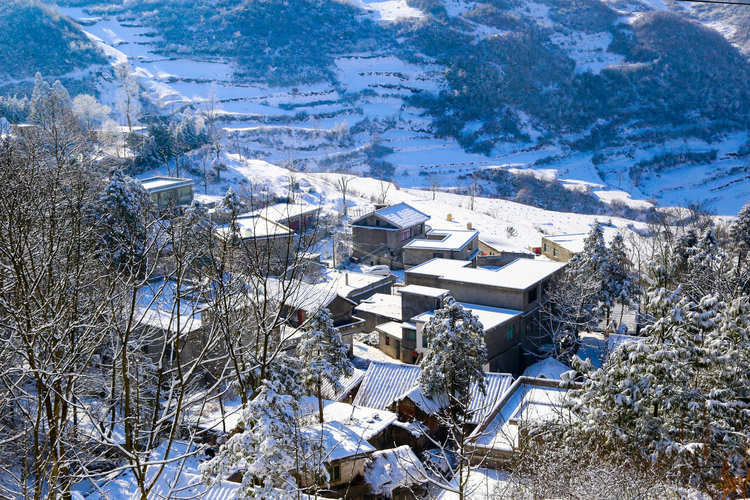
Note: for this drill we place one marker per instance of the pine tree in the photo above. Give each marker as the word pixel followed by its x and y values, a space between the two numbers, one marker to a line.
pixel 324 356
pixel 618 287
pixel 456 354
pixel 669 397
pixel 739 234
pixel 120 210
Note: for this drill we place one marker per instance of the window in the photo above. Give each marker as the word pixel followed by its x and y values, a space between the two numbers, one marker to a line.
pixel 546 248
pixel 377 222
pixel 554 252
pixel 437 255
pixel 511 329
pixel 405 234
pixel 334 473
pixel 471 245
pixel 424 341
pixel 387 340
pixel 411 334
pixel 532 295
pixel 417 229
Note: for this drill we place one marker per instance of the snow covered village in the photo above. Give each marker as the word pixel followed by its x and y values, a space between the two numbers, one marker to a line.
pixel 358 250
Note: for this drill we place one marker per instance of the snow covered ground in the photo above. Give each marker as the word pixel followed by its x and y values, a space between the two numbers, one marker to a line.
pixel 310 111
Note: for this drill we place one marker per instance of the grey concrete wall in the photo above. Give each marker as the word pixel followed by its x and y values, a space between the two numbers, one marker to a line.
pixel 414 305
pixel 563 254
pixel 499 260
pixel 394 349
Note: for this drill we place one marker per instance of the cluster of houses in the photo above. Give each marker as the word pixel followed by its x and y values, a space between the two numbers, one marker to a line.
pixel 379 419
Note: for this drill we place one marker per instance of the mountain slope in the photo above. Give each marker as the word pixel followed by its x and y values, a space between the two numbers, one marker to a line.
pixel 35 38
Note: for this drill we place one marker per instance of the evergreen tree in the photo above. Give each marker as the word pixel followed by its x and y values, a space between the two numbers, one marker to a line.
pixel 669 397
pixel 618 287
pixel 324 356
pixel 121 211
pixel 455 356
pixel 739 234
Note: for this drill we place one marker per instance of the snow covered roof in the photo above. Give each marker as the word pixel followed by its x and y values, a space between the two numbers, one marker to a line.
pixel 528 400
pixel 339 441
pixel 284 211
pixel 547 368
pixel 496 385
pixel 572 242
pixel 382 304
pixel 502 244
pixel 444 239
pixel 392 469
pixel 518 275
pixel 255 226
pixel 347 384
pixel 365 422
pixel 427 291
pixel 384 383
pixel 391 328
pixel 313 296
pixel 401 215
pixel 157 306
pixel 161 183
pixel 490 317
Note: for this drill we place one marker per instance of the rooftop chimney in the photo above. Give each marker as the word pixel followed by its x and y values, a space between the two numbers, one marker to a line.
pixel 450 217
pixel 468 225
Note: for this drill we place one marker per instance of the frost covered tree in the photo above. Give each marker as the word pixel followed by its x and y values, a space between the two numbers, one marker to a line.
pixel 670 398
pixel 270 447
pixel 739 234
pixel 91 113
pixel 618 287
pixel 128 93
pixel 324 356
pixel 456 353
pixel 122 210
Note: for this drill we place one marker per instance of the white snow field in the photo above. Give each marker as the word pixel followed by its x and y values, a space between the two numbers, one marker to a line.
pixel 313 112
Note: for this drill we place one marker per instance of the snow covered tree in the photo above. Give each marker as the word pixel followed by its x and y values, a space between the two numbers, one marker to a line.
pixel 453 363
pixel 121 210
pixel 324 356
pixel 128 93
pixel 618 286
pixel 739 234
pixel 270 447
pixel 668 397
pixel 91 113
pixel 456 353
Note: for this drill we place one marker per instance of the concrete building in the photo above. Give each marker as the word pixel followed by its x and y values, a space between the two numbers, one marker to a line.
pixel 299 217
pixel 528 403
pixel 259 239
pixel 498 251
pixel 442 244
pixel 164 191
pixel 378 238
pixel 508 298
pixel 562 247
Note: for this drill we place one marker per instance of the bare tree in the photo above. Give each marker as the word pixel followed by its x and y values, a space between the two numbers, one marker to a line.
pixel 129 90
pixel 384 188
pixel 434 181
pixel 342 186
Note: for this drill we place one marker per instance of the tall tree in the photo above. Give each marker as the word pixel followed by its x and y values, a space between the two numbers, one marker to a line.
pixel 324 356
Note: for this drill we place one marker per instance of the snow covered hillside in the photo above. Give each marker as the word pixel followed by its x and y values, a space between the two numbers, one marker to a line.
pixel 332 125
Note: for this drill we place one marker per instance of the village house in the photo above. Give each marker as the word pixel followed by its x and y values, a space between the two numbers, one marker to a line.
pixel 528 403
pixel 165 191
pixel 378 238
pixel 299 216
pixel 498 251
pixel 344 454
pixel 339 293
pixel 514 292
pixel 442 244
pixel 562 247
pixel 259 239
